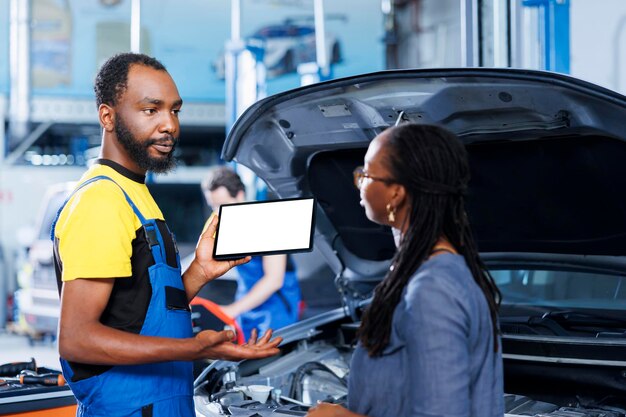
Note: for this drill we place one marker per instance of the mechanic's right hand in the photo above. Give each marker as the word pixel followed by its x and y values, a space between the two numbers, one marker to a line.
pixel 212 268
pixel 219 345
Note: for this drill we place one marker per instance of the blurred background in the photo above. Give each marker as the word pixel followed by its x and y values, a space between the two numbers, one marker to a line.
pixel 224 55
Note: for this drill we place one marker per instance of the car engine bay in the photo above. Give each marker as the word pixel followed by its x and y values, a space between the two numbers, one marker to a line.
pixel 316 368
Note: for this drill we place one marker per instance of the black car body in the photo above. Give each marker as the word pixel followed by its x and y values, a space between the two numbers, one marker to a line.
pixel 546 203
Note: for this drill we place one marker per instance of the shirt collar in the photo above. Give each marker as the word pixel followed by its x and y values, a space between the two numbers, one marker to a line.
pixel 122 170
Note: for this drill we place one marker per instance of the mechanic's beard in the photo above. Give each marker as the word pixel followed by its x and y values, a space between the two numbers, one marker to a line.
pixel 138 151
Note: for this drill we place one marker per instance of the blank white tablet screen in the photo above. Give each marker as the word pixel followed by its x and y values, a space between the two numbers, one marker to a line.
pixel 272 226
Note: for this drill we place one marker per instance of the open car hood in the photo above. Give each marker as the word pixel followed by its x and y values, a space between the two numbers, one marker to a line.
pixel 547 154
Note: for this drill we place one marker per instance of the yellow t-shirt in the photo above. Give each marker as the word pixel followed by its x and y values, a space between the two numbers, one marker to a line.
pixel 97 226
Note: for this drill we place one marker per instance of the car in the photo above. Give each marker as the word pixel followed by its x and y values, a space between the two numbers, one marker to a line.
pixel 37 299
pixel 546 203
pixel 285 46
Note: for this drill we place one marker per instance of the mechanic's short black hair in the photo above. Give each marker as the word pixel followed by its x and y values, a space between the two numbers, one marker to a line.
pixel 113 75
pixel 223 176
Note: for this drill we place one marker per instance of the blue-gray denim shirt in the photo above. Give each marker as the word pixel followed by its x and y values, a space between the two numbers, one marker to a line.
pixel 440 360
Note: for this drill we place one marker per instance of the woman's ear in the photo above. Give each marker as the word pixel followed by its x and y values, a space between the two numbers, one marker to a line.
pixel 399 197
pixel 106 116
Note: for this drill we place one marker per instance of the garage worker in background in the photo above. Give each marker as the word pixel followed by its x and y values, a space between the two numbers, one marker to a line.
pixel 125 335
pixel 268 294
pixel 429 342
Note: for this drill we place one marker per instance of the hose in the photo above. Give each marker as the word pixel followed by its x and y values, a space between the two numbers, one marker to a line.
pixel 306 369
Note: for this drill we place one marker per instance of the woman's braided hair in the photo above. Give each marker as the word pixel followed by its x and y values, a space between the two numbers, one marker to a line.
pixel 432 164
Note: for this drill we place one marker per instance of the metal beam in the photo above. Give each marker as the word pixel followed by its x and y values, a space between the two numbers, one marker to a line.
pixel 19 64
pixel 500 58
pixel 515 31
pixel 555 28
pixel 469 33
pixel 320 39
pixel 235 20
pixel 135 26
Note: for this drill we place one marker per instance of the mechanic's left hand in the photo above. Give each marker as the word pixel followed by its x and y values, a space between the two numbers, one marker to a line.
pixel 219 345
pixel 204 253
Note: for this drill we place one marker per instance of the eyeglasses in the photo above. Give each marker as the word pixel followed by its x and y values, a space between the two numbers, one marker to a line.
pixel 360 175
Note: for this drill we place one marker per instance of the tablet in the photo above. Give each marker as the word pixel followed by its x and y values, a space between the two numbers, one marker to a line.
pixel 264 228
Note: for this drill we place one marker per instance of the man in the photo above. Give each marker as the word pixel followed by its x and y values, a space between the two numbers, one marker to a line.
pixel 125 336
pixel 268 294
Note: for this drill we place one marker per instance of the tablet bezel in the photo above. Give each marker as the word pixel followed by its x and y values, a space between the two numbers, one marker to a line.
pixel 263 253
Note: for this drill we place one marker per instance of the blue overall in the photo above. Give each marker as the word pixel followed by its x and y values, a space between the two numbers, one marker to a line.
pixel 159 389
pixel 280 310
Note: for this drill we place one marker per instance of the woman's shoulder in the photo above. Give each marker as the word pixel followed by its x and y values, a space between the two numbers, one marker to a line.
pixel 446 268
pixel 445 275
pixel 440 291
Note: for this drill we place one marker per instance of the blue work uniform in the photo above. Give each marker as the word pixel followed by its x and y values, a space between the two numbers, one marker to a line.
pixel 159 389
pixel 279 310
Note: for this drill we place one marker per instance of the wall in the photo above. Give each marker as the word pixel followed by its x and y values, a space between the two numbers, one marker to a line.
pixel 71 39
pixel 598 55
pixel 429 34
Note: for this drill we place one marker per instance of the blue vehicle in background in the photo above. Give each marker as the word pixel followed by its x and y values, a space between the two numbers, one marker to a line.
pixel 287 45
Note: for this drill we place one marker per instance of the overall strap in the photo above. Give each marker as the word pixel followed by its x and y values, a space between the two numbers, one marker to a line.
pixel 149 226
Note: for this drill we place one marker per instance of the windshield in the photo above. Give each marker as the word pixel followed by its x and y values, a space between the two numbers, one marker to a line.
pixel 561 289
pixel 562 303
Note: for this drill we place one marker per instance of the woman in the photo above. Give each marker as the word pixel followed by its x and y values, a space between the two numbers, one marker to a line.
pixel 428 343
